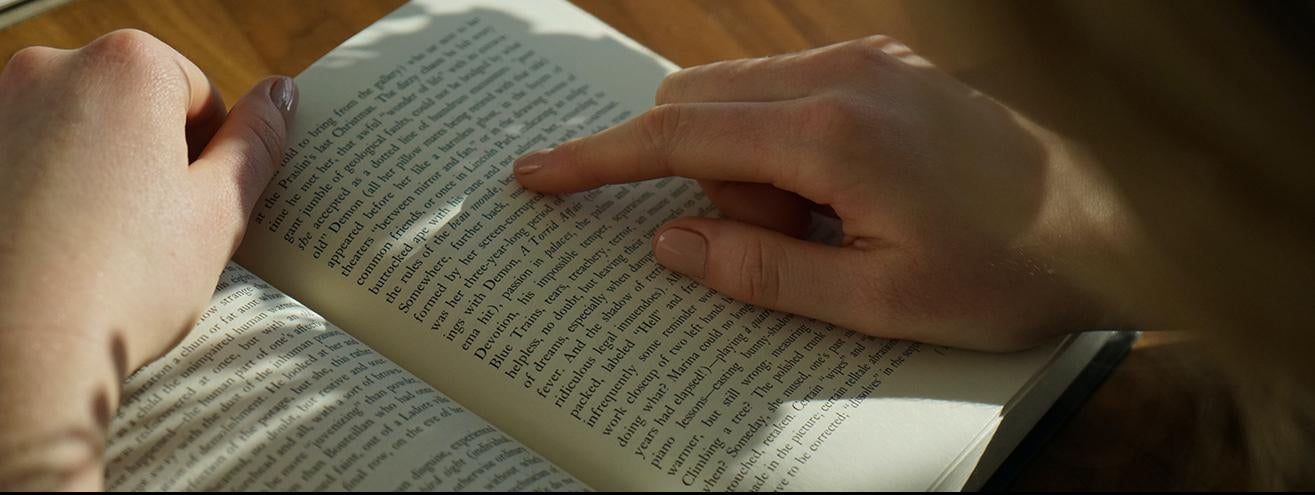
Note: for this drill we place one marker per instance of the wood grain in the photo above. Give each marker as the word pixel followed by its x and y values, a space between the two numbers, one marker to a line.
pixel 1129 435
pixel 237 42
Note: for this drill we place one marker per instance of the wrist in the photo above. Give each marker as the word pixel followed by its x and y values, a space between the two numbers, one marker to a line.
pixel 1085 231
pixel 71 306
pixel 61 390
pixel 61 325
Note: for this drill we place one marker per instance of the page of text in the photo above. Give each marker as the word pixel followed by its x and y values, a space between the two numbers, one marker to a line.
pixel 264 395
pixel 395 215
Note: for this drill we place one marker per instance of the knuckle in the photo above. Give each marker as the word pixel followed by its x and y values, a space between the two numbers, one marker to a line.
pixel 669 89
pixel 839 131
pixel 270 136
pixel 888 54
pixel 27 62
pixel 31 56
pixel 696 83
pixel 864 57
pixel 873 48
pixel 132 57
pixel 658 130
pixel 879 41
pixel 263 150
pixel 759 279
pixel 130 46
pixel 733 73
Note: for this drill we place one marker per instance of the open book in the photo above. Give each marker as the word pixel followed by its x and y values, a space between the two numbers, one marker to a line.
pixel 405 316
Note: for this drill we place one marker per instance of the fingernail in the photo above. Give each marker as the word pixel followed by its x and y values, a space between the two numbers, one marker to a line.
pixel 682 250
pixel 531 163
pixel 283 93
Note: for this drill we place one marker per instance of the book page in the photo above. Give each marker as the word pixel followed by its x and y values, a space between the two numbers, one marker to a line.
pixel 264 395
pixel 395 215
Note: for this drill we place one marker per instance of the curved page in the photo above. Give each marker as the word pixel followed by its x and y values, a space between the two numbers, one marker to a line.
pixel 396 216
pixel 263 394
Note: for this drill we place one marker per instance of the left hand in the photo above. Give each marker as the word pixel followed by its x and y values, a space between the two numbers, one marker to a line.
pixel 125 186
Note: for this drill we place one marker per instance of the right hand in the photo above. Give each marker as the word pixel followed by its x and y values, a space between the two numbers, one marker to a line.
pixel 957 211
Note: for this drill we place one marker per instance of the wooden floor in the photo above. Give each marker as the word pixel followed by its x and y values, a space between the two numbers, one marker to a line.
pixel 1134 434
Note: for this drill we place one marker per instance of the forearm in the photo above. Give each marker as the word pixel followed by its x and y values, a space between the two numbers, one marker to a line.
pixel 60 391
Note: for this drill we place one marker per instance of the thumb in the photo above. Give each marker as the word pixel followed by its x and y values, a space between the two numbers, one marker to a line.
pixel 764 267
pixel 242 156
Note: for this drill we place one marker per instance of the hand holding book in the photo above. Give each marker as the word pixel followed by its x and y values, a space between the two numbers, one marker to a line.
pixel 126 186
pixel 396 217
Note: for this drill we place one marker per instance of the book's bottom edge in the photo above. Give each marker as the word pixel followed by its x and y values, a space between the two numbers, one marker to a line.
pixel 1024 448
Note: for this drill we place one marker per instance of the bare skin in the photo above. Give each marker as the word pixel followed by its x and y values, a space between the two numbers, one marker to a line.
pixel 125 186
pixel 959 214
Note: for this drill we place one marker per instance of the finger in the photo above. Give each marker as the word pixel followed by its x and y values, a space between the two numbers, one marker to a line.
pixel 765 268
pixel 205 106
pixel 202 126
pixel 239 162
pixel 742 142
pixel 761 205
pixel 782 77
pixel 779 77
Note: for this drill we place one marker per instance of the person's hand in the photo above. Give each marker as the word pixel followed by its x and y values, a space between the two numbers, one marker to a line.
pixel 956 211
pixel 125 185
